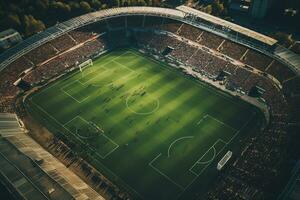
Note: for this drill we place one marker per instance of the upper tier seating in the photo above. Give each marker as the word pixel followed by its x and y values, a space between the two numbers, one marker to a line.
pixel 256 60
pixel 280 71
pixel 232 49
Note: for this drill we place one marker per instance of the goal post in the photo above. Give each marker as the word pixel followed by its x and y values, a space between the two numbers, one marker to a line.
pixel 224 160
pixel 85 64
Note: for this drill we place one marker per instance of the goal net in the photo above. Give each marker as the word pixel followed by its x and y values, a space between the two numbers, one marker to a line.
pixel 224 160
pixel 85 64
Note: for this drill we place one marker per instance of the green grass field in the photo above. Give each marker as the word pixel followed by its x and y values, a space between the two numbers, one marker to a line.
pixel 147 126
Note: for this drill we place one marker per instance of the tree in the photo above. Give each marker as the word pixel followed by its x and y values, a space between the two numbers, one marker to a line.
pixel 208 9
pixel 218 8
pixel 113 3
pixel 284 38
pixel 13 21
pixel 32 25
pixel 42 5
pixel 75 7
pixel 85 6
pixel 60 7
pixel 96 4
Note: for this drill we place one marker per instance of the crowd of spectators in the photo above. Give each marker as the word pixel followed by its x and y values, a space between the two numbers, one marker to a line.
pixel 171 25
pixel 183 52
pixel 190 32
pixel 210 40
pixel 81 35
pixel 72 159
pixel 63 42
pixel 233 50
pixel 280 71
pixel 255 162
pixel 259 159
pixel 59 64
pixel 257 60
pixel 41 53
pixel 236 51
pixel 8 76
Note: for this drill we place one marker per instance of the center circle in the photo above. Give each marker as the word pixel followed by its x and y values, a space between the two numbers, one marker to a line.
pixel 138 112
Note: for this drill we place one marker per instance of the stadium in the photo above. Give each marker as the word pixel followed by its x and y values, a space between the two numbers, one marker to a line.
pixel 147 103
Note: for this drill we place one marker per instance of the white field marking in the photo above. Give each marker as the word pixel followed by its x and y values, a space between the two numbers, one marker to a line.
pixel 109 70
pixel 123 77
pixel 196 176
pixel 118 178
pixel 108 138
pixel 207 87
pixel 125 65
pixel 197 162
pixel 101 66
pixel 112 141
pixel 74 135
pixel 49 115
pixel 161 173
pixel 89 123
pixel 67 77
pixel 238 131
pixel 205 162
pixel 82 137
pixel 219 121
pixel 208 161
pixel 142 113
pixel 62 89
pixel 199 122
pixel 70 121
pixel 89 148
pixel 182 138
pixel 222 123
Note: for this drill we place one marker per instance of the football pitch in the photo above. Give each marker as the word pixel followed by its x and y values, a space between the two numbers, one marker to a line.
pixel 146 126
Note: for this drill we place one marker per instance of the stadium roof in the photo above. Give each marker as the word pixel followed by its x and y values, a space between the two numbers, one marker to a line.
pixel 215 20
pixel 289 57
pixel 53 32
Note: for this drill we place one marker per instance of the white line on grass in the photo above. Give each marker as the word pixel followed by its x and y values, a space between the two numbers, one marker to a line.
pixel 109 70
pixel 63 90
pixel 142 113
pixel 70 120
pixel 199 122
pixel 118 178
pixel 74 135
pixel 226 143
pixel 205 162
pixel 161 173
pixel 102 133
pixel 67 76
pixel 196 176
pixel 182 138
pixel 49 115
pixel 125 65
pixel 206 86
pixel 222 123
